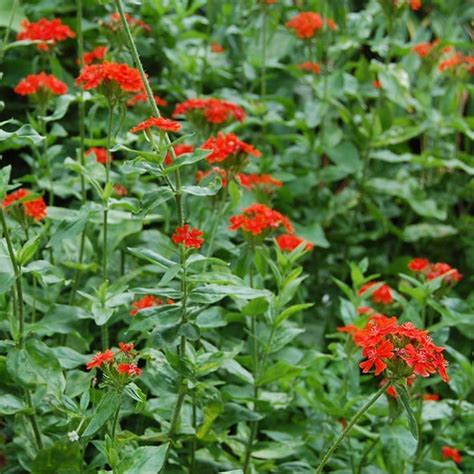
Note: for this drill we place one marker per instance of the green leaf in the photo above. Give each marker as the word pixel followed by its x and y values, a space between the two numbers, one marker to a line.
pixel 278 371
pixel 288 312
pixel 346 156
pixel 61 458
pixel 28 251
pixel 416 232
pixel 25 132
pixel 103 412
pixel 404 400
pixel 144 459
pixel 212 293
pixel 67 230
pixel 9 404
pixel 151 256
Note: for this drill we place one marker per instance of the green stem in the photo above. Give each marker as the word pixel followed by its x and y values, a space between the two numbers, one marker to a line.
pixel 8 29
pixel 215 225
pixel 255 369
pixel 115 421
pixel 263 74
pixel 80 51
pixel 349 426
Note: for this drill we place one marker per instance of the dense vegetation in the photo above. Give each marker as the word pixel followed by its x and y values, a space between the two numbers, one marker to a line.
pixel 237 236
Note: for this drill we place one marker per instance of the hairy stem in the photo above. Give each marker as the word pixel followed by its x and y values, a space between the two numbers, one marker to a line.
pixel 349 426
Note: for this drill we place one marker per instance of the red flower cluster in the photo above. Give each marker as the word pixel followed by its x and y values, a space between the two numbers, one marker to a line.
pixel 382 295
pixel 115 22
pixel 167 125
pixel 142 97
pixel 40 83
pixel 403 349
pixel 415 5
pixel 308 66
pixel 48 31
pixel 147 301
pixel 97 54
pixel 377 84
pixel 226 146
pixel 35 208
pixel 217 48
pixel 179 149
pixel 215 111
pixel 289 242
pixel 100 154
pixel 190 238
pixel 264 181
pixel 451 453
pixel 121 75
pixel 259 218
pixel 424 49
pixel 306 24
pixel 456 60
pixel 101 358
pixel 108 362
pixel 200 175
pixel 120 190
pixel 431 397
pixel 435 270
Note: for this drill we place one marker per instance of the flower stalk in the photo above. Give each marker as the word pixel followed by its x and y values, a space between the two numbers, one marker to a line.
pixel 349 426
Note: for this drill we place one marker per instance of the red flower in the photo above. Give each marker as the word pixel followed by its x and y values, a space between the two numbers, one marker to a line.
pixel 418 264
pixel 117 75
pixel 35 208
pixel 264 181
pixel 289 242
pixel 142 97
pixel 146 301
pixel 259 218
pixel 415 4
pixel 190 238
pixel 214 111
pixel 375 356
pixel 49 32
pixel 100 358
pixel 179 149
pixel 377 84
pixel 306 24
pixel 226 146
pixel 451 453
pixel 382 295
pixel 100 154
pixel 129 369
pixel 217 48
pixel 364 310
pixel 448 273
pixel 120 190
pixel 331 24
pixel 424 49
pixel 405 350
pixel 96 54
pixel 452 62
pixel 164 124
pixel 431 397
pixel 126 348
pixel 42 82
pixel 115 22
pixel 200 175
pixel 308 66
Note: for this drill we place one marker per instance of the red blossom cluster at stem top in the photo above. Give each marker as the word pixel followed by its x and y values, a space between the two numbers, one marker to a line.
pixel 147 301
pixel 215 111
pixel 49 32
pixel 41 82
pixel 35 208
pixel 190 238
pixel 403 349
pixel 430 271
pixel 227 145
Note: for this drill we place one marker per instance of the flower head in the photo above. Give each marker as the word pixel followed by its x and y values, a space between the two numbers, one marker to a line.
pixel 444 270
pixel 265 182
pixel 213 111
pixel 259 218
pixel 229 148
pixel 418 264
pixel 49 32
pixel 451 453
pixel 191 238
pixel 126 348
pixel 306 24
pixel 403 349
pixel 415 4
pixel 167 125
pixel 120 190
pixel 147 301
pixel 431 397
pixel 97 54
pixel 40 83
pixel 289 242
pixel 35 208
pixel 110 78
pixel 376 84
pixel 101 358
pixel 308 66
pixel 100 154
pixel 215 170
pixel 217 48
pixel 382 295
pixel 129 369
